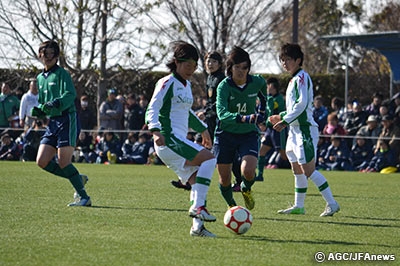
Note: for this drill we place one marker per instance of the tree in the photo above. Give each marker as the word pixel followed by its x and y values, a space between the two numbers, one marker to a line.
pixel 216 25
pixel 84 29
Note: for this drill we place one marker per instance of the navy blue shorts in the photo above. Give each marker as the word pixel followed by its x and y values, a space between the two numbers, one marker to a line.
pixel 273 138
pixel 227 146
pixel 62 131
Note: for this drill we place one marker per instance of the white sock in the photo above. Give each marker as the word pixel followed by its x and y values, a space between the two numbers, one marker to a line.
pixel 203 180
pixel 322 184
pixel 300 188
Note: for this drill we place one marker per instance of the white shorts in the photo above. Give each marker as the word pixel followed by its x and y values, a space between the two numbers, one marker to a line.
pixel 177 162
pixel 301 145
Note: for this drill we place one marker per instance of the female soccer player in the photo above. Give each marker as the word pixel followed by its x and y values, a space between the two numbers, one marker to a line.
pixel 56 100
pixel 236 132
pixel 169 116
pixel 301 146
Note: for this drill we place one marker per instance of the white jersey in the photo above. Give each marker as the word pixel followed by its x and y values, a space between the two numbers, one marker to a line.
pixel 299 101
pixel 169 109
pixel 28 101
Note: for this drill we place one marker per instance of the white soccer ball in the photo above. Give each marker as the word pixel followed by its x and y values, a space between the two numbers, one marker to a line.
pixel 238 220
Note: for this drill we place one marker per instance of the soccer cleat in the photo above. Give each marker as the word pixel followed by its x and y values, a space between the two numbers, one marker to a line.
pixel 202 214
pixel 293 210
pixel 178 184
pixel 248 199
pixel 202 232
pixel 85 179
pixel 81 203
pixel 330 209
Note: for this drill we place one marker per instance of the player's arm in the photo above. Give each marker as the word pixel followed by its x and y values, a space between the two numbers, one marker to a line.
pixel 155 104
pixel 300 104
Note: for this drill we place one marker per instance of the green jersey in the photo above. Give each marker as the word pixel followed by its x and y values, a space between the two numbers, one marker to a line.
pixel 233 101
pixel 275 105
pixel 57 84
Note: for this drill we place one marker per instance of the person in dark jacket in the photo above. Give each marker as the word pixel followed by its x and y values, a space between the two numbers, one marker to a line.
pixel 336 157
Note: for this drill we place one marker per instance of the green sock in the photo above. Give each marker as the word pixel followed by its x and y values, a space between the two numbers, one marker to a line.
pixel 227 194
pixel 246 184
pixel 76 180
pixel 55 169
pixel 261 165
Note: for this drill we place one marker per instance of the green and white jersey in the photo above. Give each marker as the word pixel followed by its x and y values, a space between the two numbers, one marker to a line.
pixel 57 84
pixel 169 110
pixel 299 101
pixel 233 101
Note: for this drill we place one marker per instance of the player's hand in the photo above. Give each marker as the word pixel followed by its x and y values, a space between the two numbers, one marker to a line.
pixel 37 112
pixel 206 139
pixel 273 119
pixel 158 138
pixel 280 126
pixel 50 105
pixel 252 119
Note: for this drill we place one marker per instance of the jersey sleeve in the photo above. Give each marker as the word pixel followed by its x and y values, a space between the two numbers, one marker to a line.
pixel 301 102
pixel 155 104
pixel 195 122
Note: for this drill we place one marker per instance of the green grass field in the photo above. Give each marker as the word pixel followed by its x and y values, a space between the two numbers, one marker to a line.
pixel 138 218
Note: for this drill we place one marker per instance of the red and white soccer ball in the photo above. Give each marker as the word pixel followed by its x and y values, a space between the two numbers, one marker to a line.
pixel 238 220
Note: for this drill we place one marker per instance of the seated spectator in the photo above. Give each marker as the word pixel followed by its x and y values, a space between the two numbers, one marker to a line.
pixel 9 150
pixel 127 147
pixel 31 140
pixel 361 153
pixel 394 103
pixel 333 127
pixel 383 110
pixel 370 131
pixel 390 132
pixel 373 107
pixel 85 148
pixel 337 106
pixel 355 120
pixel 141 151
pixel 108 149
pixel 383 158
pixel 322 146
pixel 336 157
pixel 320 112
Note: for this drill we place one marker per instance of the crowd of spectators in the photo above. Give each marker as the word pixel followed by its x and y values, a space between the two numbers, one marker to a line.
pixel 357 138
pixel 353 137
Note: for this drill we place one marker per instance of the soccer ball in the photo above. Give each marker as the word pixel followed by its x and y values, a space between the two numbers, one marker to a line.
pixel 238 220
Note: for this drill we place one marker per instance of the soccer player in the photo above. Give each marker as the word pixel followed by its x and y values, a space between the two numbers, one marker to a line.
pixel 301 146
pixel 236 131
pixel 272 138
pixel 56 100
pixel 169 116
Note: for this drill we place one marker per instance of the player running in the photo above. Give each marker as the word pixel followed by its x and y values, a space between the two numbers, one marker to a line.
pixel 301 146
pixel 57 100
pixel 236 132
pixel 169 116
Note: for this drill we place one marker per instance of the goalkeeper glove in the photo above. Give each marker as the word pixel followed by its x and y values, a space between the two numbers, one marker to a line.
pixel 37 112
pixel 50 105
